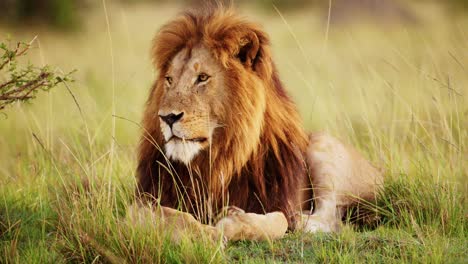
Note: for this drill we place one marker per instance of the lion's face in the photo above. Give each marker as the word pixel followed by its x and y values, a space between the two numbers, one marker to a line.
pixel 191 105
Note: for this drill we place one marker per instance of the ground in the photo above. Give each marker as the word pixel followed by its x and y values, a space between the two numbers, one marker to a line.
pixel 396 92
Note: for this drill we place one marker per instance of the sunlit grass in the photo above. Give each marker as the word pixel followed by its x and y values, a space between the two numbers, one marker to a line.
pixel 398 93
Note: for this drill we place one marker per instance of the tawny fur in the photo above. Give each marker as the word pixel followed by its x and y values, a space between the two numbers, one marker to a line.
pixel 238 140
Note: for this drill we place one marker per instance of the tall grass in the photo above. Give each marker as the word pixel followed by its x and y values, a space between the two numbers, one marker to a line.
pixel 398 93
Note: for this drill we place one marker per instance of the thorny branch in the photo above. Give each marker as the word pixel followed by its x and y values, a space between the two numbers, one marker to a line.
pixel 22 83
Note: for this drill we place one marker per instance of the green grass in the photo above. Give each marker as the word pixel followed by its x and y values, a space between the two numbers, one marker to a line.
pixel 398 93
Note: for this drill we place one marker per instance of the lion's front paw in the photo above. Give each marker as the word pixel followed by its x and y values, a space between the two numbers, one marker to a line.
pixel 229 227
pixel 233 210
pixel 228 211
pixel 250 226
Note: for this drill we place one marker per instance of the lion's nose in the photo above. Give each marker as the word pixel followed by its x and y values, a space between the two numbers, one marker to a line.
pixel 171 118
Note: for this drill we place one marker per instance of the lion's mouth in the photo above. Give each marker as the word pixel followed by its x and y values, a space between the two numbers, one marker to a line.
pixel 198 139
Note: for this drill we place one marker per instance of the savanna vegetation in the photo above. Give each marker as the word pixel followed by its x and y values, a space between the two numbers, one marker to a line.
pixel 396 90
pixel 21 84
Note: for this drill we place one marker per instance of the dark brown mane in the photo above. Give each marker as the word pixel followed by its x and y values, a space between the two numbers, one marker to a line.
pixel 258 172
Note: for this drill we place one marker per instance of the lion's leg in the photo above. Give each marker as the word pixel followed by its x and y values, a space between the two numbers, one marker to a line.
pixel 175 223
pixel 340 178
pixel 238 225
pixel 327 214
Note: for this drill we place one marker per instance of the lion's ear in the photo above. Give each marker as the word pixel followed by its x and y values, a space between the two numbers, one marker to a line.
pixel 254 53
pixel 248 49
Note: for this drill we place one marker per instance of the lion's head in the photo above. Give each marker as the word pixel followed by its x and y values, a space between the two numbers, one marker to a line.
pixel 207 68
pixel 218 108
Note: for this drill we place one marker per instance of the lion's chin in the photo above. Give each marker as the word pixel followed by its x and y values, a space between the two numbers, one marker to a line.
pixel 183 151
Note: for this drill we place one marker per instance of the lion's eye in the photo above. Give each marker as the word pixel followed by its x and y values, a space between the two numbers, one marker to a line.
pixel 202 77
pixel 168 79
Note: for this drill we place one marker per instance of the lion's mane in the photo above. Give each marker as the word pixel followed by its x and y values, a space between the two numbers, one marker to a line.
pixel 255 164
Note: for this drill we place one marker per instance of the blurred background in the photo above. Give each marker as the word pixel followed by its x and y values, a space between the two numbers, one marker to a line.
pixel 68 14
pixel 339 59
pixel 369 71
pixel 388 76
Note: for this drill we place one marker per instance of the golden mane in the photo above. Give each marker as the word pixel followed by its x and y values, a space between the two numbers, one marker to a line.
pixel 256 164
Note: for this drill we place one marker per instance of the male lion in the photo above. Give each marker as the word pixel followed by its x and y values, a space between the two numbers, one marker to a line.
pixel 221 132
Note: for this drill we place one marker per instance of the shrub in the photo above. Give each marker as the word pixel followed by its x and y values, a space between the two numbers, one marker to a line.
pixel 19 83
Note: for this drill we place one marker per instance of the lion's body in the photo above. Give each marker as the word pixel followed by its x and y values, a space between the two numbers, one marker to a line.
pixel 220 130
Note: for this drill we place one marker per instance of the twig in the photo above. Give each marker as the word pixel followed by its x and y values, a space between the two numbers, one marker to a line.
pixel 22 84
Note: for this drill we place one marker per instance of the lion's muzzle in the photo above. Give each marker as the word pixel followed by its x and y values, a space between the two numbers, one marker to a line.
pixel 171 118
pixel 185 135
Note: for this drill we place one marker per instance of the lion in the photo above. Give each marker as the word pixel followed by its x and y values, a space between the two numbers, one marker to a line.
pixel 223 149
